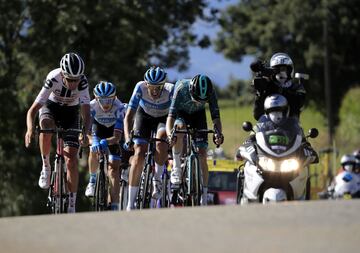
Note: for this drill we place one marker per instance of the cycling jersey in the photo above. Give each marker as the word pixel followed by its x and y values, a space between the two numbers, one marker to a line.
pixel 55 91
pixel 154 107
pixel 113 118
pixel 182 101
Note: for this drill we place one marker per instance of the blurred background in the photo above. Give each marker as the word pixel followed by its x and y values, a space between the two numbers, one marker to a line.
pixel 120 39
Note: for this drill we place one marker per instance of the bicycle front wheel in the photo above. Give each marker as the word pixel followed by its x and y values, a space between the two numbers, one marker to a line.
pixel 100 200
pixel 146 189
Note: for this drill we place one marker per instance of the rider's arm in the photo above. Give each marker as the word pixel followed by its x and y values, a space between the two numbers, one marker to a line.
pixel 85 114
pixel 128 123
pixel 35 107
pixel 169 125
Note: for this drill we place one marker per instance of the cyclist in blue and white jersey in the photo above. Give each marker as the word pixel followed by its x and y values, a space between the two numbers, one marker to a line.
pixel 188 108
pixel 107 114
pixel 65 88
pixel 149 106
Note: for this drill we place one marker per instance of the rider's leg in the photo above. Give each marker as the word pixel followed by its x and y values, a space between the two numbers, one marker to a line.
pixel 71 161
pixel 137 163
pixel 114 176
pixel 176 172
pixel 45 146
pixel 161 155
pixel 205 174
pixel 93 165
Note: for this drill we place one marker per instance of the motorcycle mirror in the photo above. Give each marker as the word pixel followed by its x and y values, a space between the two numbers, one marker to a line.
pixel 247 126
pixel 313 133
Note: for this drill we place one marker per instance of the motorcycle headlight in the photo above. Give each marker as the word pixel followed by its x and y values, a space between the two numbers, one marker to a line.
pixel 267 163
pixel 289 165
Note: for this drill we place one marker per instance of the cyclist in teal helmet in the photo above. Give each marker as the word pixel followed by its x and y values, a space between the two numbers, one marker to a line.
pixel 188 108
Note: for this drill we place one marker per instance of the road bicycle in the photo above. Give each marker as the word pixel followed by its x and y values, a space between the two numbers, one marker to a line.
pixel 188 193
pixel 143 198
pixel 57 199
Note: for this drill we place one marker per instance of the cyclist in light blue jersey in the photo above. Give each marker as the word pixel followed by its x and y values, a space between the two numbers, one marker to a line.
pixel 107 114
pixel 148 107
pixel 188 108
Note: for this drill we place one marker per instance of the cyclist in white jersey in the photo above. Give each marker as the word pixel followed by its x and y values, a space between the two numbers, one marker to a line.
pixel 149 106
pixel 64 89
pixel 107 114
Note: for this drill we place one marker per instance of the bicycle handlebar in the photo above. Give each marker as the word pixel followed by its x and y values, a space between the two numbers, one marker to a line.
pixel 58 130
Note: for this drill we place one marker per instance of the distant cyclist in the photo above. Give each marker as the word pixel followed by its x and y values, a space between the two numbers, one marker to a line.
pixel 65 88
pixel 188 108
pixel 107 129
pixel 149 107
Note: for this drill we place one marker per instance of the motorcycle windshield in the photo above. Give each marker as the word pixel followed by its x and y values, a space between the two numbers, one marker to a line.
pixel 279 140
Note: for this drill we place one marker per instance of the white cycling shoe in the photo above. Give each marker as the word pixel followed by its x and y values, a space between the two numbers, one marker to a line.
pixel 175 176
pixel 44 180
pixel 157 188
pixel 90 190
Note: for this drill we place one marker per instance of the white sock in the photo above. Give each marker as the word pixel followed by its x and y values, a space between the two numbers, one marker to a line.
pixel 158 171
pixel 72 202
pixel 46 161
pixel 176 160
pixel 132 197
pixel 204 196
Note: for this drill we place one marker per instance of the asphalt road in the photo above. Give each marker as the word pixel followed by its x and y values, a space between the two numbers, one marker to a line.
pixel 316 226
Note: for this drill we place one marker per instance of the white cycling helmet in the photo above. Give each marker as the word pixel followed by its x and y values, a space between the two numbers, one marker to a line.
pixel 72 66
pixel 279 60
pixel 276 107
pixel 348 162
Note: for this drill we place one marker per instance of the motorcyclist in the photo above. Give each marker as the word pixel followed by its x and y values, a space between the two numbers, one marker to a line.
pixel 347 181
pixel 277 79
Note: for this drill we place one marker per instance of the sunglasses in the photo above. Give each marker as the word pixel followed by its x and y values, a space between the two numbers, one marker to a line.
pixel 69 80
pixel 155 87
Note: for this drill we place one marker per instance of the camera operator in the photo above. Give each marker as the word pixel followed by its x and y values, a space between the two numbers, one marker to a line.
pixel 277 79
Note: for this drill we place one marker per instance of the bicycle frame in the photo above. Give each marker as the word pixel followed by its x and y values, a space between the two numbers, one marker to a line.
pixel 192 176
pixel 143 198
pixel 58 195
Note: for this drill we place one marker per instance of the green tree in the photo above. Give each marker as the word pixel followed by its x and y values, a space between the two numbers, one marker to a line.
pixel 263 27
pixel 118 40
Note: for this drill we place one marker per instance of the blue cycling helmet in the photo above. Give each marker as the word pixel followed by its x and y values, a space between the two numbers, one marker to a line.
pixel 201 88
pixel 155 76
pixel 104 89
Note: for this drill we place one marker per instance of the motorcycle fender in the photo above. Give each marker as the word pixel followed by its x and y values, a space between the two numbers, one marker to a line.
pixel 298 185
pixel 252 181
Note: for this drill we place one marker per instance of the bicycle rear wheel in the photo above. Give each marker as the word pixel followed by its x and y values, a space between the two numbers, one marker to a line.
pixel 165 191
pixel 197 181
pixel 239 186
pixel 123 194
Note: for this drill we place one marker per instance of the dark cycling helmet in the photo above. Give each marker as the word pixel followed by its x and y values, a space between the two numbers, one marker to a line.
pixel 201 88
pixel 104 89
pixel 282 59
pixel 72 66
pixel 348 162
pixel 155 76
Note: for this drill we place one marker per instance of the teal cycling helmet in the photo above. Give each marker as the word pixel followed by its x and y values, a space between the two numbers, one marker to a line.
pixel 104 89
pixel 155 76
pixel 201 88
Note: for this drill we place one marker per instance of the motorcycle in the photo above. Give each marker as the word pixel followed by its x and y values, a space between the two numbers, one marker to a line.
pixel 276 165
